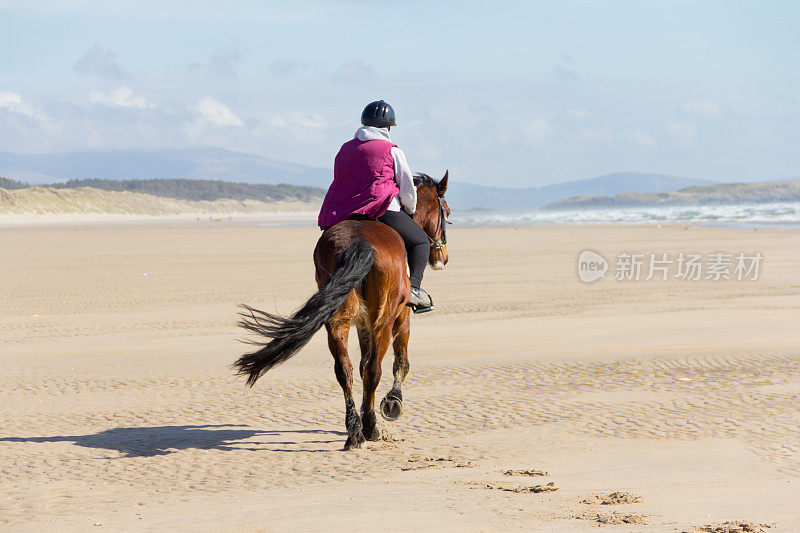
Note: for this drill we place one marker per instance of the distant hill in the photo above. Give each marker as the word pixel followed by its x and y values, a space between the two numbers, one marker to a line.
pixel 225 165
pixel 209 164
pixel 723 193
pixel 468 196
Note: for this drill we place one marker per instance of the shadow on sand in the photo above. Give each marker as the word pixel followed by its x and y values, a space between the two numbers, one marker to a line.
pixel 163 440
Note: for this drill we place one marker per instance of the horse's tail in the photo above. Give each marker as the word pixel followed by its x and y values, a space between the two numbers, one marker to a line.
pixel 288 335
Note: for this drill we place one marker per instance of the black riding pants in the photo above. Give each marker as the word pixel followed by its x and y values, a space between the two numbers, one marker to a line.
pixel 416 240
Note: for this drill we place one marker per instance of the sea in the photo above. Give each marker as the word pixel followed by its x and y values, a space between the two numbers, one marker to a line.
pixel 755 215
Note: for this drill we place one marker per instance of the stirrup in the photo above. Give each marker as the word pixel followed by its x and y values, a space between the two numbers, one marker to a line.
pixel 419 310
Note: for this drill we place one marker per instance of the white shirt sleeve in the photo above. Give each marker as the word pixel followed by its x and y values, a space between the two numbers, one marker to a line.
pixel 405 181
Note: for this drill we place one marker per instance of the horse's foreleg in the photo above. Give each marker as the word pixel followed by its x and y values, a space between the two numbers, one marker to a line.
pixel 371 376
pixel 392 404
pixel 338 333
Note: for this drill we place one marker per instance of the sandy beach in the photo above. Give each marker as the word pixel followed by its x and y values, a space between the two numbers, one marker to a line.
pixel 119 410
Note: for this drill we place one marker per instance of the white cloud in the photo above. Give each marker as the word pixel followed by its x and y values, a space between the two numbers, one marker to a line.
pixel 682 130
pixel 210 111
pixel 121 97
pixel 300 118
pixel 702 107
pixel 13 102
pixel 642 139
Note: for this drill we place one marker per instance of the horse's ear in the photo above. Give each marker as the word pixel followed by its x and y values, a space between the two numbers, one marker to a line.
pixel 441 188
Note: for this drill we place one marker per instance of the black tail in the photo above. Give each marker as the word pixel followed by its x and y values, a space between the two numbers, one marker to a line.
pixel 288 335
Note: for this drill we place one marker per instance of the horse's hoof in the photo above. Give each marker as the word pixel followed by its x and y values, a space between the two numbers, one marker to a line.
pixel 373 434
pixel 354 441
pixel 391 408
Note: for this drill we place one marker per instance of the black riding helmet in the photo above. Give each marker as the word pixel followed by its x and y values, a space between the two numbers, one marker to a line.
pixel 378 114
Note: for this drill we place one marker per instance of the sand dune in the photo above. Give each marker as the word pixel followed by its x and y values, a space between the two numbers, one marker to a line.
pixel 88 200
pixel 676 401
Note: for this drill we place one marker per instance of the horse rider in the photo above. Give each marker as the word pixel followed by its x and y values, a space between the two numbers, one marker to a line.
pixel 372 181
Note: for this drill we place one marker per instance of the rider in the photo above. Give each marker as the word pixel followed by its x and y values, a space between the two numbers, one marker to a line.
pixel 372 180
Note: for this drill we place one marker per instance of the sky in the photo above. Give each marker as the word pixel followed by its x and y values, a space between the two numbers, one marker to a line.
pixel 501 93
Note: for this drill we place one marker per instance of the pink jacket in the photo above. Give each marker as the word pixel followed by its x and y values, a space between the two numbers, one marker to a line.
pixel 363 182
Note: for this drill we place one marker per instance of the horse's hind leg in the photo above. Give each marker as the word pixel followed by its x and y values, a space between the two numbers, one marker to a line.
pixel 392 404
pixel 378 342
pixel 338 333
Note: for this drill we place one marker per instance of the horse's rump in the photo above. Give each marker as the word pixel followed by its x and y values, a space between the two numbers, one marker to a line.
pixel 386 286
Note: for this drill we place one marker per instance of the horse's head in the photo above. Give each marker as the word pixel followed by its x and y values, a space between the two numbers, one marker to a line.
pixel 431 214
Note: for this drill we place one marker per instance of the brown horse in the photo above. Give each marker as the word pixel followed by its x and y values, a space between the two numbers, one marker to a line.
pixel 361 274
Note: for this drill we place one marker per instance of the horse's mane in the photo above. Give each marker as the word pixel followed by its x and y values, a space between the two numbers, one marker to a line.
pixel 420 178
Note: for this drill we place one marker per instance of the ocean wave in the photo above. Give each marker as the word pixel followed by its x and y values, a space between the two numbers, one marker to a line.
pixel 746 215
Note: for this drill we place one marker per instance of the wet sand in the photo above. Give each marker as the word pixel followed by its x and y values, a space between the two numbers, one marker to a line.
pixel 118 408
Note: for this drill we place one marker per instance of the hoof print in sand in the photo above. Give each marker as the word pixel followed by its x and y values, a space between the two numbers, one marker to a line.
pixel 535 489
pixel 615 518
pixel 615 498
pixel 740 526
pixel 532 473
pixel 436 462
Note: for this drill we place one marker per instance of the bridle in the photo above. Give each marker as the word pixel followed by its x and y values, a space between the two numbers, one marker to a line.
pixel 441 229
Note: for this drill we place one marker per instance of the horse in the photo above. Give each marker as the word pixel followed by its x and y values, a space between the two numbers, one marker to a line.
pixel 361 274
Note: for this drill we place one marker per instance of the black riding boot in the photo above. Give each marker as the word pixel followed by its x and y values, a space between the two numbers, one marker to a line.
pixel 417 248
